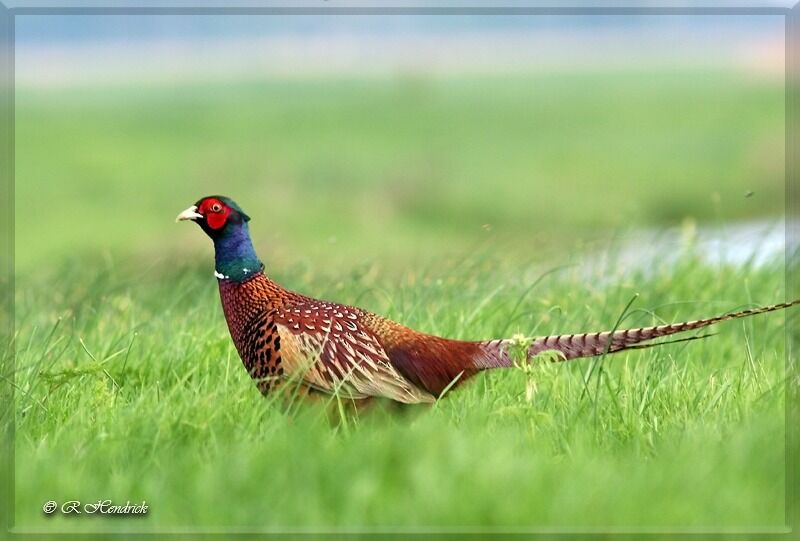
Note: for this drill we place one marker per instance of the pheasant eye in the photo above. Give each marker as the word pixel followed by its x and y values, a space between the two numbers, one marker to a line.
pixel 216 207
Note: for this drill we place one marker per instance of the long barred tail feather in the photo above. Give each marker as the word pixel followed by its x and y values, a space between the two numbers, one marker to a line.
pixel 573 346
pixel 675 341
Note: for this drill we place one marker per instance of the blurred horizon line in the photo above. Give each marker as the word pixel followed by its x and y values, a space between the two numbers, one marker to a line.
pixel 313 55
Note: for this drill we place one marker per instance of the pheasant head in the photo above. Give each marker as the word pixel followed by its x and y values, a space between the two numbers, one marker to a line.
pixel 226 223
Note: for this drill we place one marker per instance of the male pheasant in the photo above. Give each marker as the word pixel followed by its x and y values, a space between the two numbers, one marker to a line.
pixel 331 347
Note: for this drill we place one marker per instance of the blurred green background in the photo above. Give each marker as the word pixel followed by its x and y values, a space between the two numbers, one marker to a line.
pixel 438 191
pixel 406 166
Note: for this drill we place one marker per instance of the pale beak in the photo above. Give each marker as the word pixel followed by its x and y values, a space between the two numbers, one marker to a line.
pixel 188 214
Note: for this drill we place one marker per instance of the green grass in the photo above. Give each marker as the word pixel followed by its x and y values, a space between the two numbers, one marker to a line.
pixel 377 194
pixel 137 393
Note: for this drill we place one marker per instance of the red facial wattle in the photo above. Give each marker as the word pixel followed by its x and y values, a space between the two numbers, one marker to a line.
pixel 215 211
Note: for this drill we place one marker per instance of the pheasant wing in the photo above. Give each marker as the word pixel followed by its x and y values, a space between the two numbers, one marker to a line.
pixel 333 349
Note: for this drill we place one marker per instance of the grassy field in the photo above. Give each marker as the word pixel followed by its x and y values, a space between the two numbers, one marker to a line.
pixel 441 204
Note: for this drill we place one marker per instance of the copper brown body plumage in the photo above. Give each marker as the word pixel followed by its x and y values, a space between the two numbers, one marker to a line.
pixel 330 346
pixel 282 335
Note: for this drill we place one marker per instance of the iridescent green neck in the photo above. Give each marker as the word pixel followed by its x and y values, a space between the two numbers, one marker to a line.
pixel 234 256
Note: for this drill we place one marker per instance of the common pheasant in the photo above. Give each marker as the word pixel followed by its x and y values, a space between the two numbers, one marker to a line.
pixel 330 347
